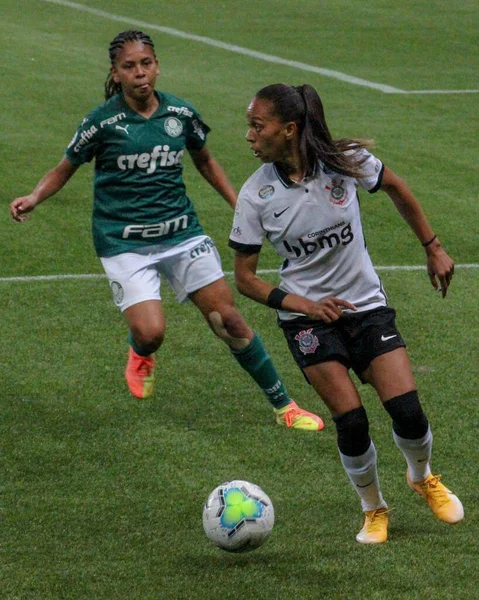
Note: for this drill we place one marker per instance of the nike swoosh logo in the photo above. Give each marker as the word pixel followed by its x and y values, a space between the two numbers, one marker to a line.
pixel 421 460
pixel 278 214
pixel 385 338
pixel 363 486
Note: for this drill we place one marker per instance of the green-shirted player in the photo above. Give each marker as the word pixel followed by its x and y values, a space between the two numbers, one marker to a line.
pixel 144 224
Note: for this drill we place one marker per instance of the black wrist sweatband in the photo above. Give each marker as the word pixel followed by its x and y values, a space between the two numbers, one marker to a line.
pixel 275 298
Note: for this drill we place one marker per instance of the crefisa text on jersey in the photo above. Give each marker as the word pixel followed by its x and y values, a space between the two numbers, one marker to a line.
pixel 160 155
pixel 204 248
pixel 85 137
pixel 180 110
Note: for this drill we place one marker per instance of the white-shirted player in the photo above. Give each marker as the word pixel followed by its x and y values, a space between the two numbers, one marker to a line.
pixel 330 301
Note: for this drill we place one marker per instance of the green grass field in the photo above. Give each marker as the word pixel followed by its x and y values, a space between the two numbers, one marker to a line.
pixel 102 494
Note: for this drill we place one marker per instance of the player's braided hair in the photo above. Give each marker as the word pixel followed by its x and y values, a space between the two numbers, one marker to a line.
pixel 112 88
pixel 303 106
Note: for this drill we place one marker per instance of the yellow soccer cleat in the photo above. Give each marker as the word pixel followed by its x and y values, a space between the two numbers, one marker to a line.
pixel 444 504
pixel 140 374
pixel 297 418
pixel 375 528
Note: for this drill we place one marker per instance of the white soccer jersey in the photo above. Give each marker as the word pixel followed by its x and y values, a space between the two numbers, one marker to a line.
pixel 315 226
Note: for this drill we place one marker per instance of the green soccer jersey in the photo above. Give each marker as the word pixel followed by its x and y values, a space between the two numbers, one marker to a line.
pixel 139 194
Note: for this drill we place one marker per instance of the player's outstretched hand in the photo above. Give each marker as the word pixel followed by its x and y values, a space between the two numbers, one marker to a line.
pixel 20 207
pixel 329 309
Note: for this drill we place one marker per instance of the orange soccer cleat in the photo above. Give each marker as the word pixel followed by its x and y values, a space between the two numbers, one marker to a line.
pixel 140 374
pixel 297 418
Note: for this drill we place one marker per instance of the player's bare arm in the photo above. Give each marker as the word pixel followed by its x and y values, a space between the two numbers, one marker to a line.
pixel 49 184
pixel 247 282
pixel 250 285
pixel 214 174
pixel 440 266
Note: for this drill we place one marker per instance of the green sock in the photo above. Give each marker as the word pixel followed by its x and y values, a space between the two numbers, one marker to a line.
pixel 256 361
pixel 135 346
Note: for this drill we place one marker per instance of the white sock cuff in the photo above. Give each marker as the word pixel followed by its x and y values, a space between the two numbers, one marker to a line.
pixel 361 461
pixel 414 444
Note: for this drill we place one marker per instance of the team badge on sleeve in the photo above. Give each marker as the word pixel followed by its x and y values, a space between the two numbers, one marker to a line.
pixel 307 341
pixel 197 126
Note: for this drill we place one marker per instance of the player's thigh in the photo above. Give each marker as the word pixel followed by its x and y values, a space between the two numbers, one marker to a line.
pixel 135 285
pixel 332 383
pixel 191 266
pixel 390 374
pixel 216 296
pixel 133 278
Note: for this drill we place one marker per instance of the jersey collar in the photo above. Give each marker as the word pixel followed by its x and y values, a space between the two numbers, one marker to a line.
pixel 159 110
pixel 286 181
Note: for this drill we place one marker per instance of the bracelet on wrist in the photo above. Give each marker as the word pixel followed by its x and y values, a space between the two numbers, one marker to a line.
pixel 428 243
pixel 275 298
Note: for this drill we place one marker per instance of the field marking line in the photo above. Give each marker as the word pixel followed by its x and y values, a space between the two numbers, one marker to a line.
pixel 387 89
pixel 66 276
pixel 441 92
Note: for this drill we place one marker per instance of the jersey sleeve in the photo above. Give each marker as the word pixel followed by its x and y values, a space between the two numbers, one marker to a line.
pixel 247 234
pixel 84 145
pixel 373 170
pixel 197 132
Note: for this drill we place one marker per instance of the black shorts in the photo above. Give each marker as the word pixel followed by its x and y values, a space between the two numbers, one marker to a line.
pixel 353 340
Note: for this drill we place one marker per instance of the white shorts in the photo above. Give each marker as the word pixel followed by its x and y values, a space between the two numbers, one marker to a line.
pixel 136 276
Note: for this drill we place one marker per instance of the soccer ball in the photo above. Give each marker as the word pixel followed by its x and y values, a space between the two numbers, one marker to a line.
pixel 238 516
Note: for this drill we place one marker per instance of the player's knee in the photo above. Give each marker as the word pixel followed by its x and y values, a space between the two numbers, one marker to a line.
pixel 230 327
pixel 149 339
pixel 409 420
pixel 234 323
pixel 353 432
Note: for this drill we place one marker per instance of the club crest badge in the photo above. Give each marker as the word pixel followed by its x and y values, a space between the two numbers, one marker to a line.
pixel 173 127
pixel 338 193
pixel 307 341
pixel 117 291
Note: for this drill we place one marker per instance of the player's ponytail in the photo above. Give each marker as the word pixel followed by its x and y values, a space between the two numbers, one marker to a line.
pixel 302 105
pixel 317 142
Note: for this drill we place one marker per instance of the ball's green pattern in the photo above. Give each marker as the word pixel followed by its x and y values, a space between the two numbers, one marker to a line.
pixel 238 506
